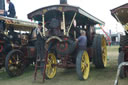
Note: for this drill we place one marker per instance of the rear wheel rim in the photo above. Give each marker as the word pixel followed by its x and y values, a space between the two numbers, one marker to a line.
pixel 85 65
pixel 50 66
pixel 104 52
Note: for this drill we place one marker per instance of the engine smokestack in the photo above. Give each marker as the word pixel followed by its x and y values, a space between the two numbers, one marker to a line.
pixel 63 1
pixel 2 5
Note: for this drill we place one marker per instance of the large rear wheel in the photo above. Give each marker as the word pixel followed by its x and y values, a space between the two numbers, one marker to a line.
pixel 100 51
pixel 82 65
pixel 50 66
pixel 15 63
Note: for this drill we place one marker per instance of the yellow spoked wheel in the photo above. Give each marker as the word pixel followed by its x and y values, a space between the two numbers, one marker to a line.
pixel 50 66
pixel 82 65
pixel 104 52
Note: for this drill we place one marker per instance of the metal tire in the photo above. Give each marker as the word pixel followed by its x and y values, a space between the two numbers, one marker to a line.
pixel 99 51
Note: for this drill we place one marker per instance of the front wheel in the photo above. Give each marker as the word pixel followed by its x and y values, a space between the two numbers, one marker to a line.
pixel 50 66
pixel 15 63
pixel 82 65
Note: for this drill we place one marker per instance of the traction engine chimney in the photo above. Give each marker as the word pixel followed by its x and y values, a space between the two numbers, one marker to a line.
pixel 63 1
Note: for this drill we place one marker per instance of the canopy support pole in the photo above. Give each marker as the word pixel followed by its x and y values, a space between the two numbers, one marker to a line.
pixel 64 23
pixel 71 23
pixel 43 25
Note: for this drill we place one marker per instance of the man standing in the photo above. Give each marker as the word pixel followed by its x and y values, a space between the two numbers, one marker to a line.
pixel 82 41
pixel 39 44
pixel 11 9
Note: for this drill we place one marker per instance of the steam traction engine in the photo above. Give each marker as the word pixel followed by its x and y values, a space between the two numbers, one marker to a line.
pixel 121 15
pixel 64 23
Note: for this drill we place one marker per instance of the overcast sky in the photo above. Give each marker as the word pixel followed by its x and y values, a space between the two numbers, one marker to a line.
pixel 98 8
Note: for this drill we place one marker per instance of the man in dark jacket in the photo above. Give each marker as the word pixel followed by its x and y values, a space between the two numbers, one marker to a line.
pixel 11 9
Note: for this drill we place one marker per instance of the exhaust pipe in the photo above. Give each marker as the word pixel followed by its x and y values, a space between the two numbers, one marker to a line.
pixel 2 5
pixel 63 1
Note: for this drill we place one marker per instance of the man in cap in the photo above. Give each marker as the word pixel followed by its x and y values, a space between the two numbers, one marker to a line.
pixel 39 44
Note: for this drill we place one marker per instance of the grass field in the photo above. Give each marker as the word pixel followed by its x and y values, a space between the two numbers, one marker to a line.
pixel 68 76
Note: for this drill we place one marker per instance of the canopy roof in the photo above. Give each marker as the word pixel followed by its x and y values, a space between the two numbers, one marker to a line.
pixel 82 17
pixel 18 24
pixel 121 14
